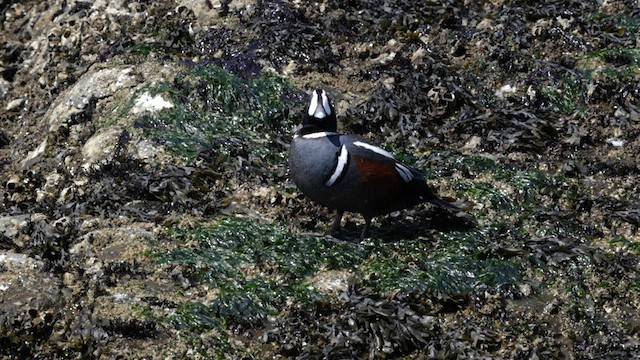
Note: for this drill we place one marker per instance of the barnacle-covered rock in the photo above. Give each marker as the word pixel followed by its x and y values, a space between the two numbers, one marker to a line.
pixel 145 198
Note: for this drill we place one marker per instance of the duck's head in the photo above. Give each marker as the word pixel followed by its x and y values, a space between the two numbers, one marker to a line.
pixel 320 115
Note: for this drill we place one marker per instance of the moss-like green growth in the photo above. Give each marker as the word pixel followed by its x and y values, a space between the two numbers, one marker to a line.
pixel 448 265
pixel 624 242
pixel 142 49
pixel 256 268
pixel 508 189
pixel 617 64
pixel 618 23
pixel 211 103
pixel 566 96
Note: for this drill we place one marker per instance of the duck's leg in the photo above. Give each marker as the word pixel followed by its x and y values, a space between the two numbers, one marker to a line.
pixel 365 229
pixel 335 227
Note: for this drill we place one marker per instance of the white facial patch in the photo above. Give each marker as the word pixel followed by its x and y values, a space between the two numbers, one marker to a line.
pixel 319 107
pixel 325 103
pixel 374 148
pixel 341 164
pixel 404 172
pixel 313 106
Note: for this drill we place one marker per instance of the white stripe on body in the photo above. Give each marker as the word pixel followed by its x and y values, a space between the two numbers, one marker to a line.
pixel 341 164
pixel 404 172
pixel 375 149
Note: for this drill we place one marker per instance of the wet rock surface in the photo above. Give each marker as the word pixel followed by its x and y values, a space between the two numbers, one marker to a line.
pixel 146 210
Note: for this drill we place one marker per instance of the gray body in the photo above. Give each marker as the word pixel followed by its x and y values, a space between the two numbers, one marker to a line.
pixel 346 173
pixel 312 161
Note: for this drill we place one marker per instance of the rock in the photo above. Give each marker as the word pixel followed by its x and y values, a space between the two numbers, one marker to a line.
pixel 147 151
pixel 12 226
pixel 148 103
pixel 50 187
pixel 100 148
pixel 331 282
pixel 90 88
pixel 485 24
pixel 34 155
pixel 505 91
pixel 205 11
pixel 114 244
pixel 23 284
pixel 15 104
pixel 418 56
pixel 5 86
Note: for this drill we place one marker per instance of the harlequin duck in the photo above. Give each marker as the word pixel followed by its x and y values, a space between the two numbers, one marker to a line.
pixel 347 173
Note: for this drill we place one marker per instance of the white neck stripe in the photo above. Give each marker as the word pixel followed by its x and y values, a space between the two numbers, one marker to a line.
pixel 317 135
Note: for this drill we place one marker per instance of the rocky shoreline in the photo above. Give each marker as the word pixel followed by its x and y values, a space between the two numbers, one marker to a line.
pixel 147 211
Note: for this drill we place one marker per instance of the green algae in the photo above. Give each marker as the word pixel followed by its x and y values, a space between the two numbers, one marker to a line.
pixel 565 96
pixel 626 243
pixel 419 266
pixel 212 104
pixel 513 190
pixel 257 267
pixel 618 64
pixel 620 23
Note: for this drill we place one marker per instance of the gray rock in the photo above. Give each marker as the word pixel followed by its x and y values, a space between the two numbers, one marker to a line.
pixel 15 104
pixel 24 286
pixel 10 226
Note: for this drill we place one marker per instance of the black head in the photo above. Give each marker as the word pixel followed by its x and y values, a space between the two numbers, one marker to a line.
pixel 320 115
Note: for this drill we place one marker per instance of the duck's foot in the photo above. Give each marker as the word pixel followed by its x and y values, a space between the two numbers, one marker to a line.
pixel 365 229
pixel 335 226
